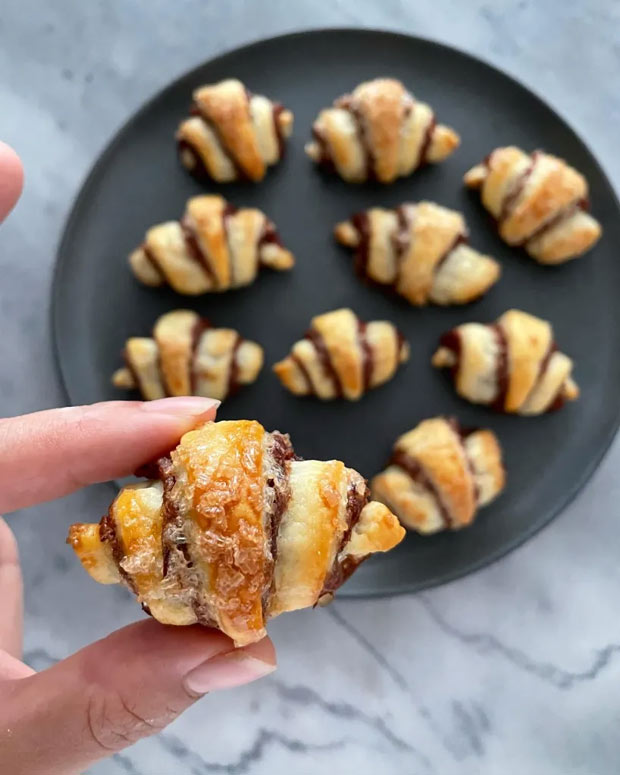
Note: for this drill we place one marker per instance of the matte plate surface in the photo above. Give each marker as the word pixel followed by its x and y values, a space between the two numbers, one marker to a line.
pixel 138 182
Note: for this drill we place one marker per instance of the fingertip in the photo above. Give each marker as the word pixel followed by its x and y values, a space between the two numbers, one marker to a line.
pixel 263 650
pixel 11 179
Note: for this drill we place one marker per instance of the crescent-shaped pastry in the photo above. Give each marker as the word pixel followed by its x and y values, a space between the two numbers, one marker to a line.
pixel 439 476
pixel 232 134
pixel 379 132
pixel 538 201
pixel 235 530
pixel 341 356
pixel 187 357
pixel 214 247
pixel 512 365
pixel 421 250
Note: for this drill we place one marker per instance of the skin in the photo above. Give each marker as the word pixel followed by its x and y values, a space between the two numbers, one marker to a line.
pixel 137 680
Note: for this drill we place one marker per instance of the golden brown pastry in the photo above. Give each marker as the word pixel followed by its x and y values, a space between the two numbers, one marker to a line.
pixel 187 357
pixel 214 247
pixel 512 365
pixel 232 134
pixel 235 530
pixel 538 201
pixel 379 132
pixel 439 476
pixel 342 357
pixel 421 251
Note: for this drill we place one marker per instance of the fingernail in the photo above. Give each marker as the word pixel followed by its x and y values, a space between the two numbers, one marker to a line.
pixel 226 671
pixel 182 406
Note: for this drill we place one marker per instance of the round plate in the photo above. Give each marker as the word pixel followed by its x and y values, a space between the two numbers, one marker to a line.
pixel 138 182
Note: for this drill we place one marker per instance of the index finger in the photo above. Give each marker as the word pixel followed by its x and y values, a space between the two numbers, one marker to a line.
pixel 49 454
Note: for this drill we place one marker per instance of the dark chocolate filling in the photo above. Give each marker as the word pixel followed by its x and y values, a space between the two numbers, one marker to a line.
pixel 414 469
pixel 367 359
pixel 325 359
pixel 501 369
pixel 136 377
pixel 282 453
pixel 460 239
pixel 361 223
pixel 198 169
pixel 269 235
pixel 565 212
pixel 428 136
pixel 195 250
pixel 226 150
pixel 325 159
pixel 150 257
pixel 200 326
pixel 304 371
pixel 362 134
pixel 342 569
pixel 451 340
pixel 109 535
pixel 512 196
pixel 276 109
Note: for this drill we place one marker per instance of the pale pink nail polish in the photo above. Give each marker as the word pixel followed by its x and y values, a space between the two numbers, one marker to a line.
pixel 181 406
pixel 226 671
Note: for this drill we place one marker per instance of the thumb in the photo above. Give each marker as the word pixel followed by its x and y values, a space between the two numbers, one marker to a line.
pixel 11 179
pixel 116 691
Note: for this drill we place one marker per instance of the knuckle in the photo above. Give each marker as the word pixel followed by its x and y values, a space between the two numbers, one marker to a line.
pixel 115 723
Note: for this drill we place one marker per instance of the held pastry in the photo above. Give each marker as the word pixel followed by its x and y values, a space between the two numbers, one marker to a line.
pixel 379 132
pixel 234 530
pixel 232 134
pixel 438 476
pixel 538 201
pixel 421 250
pixel 187 357
pixel 342 357
pixel 214 247
pixel 512 365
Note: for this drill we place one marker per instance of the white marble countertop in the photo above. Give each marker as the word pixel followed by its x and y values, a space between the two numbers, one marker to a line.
pixel 513 670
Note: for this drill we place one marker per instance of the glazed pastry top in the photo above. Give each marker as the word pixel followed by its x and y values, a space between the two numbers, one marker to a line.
pixel 421 250
pixel 187 356
pixel 513 365
pixel 439 475
pixel 214 247
pixel 341 356
pixel 235 529
pixel 538 201
pixel 233 134
pixel 379 131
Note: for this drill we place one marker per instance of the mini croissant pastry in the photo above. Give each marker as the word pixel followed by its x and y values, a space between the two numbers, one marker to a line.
pixel 187 357
pixel 232 134
pixel 342 357
pixel 512 365
pixel 439 476
pixel 379 132
pixel 538 201
pixel 235 530
pixel 421 251
pixel 214 247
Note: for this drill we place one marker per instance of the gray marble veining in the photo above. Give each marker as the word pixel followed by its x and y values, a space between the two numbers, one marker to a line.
pixel 514 669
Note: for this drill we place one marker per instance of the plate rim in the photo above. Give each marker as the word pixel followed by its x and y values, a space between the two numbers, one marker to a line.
pixel 108 148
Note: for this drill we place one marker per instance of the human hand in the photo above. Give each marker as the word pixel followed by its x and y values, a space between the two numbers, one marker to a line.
pixel 137 680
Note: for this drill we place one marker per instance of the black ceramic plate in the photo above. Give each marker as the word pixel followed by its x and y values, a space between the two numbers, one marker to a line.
pixel 138 182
